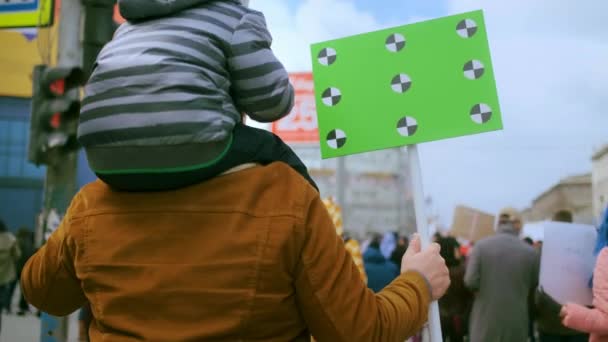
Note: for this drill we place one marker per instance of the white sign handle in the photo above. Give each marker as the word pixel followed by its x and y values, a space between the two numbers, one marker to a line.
pixel 434 326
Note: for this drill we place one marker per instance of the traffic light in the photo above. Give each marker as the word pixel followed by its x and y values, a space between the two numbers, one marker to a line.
pixel 55 110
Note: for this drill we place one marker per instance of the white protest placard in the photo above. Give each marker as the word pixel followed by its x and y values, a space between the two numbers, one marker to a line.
pixel 567 262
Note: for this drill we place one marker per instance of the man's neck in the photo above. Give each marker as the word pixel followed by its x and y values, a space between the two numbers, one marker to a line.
pixel 240 168
pixel 508 229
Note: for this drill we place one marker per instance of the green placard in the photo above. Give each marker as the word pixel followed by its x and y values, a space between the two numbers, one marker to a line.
pixel 406 85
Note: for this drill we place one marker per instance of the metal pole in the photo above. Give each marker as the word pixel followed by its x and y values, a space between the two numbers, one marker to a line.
pixel 423 231
pixel 60 182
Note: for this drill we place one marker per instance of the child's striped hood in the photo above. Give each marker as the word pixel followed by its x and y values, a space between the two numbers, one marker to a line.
pixel 134 10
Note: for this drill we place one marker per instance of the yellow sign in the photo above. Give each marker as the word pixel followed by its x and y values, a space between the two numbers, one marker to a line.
pixel 23 50
pixel 26 13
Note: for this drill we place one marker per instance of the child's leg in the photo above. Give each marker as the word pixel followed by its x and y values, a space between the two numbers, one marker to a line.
pixel 171 180
pixel 249 145
pixel 260 146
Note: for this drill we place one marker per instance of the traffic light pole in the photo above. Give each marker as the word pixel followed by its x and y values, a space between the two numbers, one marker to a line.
pixel 60 182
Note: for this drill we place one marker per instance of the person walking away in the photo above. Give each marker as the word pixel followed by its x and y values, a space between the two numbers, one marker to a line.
pixel 399 251
pixel 25 239
pixel 388 244
pixel 532 309
pixel 594 320
pixel 547 310
pixel 251 255
pixel 455 306
pixel 380 271
pixel 502 271
pixel 9 254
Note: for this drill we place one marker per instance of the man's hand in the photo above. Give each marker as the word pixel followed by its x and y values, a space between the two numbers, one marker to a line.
pixel 563 314
pixel 430 264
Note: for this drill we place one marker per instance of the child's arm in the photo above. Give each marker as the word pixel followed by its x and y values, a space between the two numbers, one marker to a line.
pixel 260 83
pixel 595 320
pixel 580 318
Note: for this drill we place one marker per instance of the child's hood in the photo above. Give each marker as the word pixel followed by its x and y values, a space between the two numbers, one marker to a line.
pixel 145 9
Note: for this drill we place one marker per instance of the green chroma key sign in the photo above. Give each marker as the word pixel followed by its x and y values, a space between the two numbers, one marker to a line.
pixel 406 85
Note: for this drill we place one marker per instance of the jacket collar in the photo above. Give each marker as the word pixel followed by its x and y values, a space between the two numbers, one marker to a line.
pixel 240 168
pixel 507 228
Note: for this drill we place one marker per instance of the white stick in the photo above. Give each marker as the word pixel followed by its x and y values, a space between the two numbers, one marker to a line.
pixel 423 231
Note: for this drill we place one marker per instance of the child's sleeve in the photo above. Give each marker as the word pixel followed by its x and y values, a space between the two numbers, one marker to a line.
pixel 587 320
pixel 260 83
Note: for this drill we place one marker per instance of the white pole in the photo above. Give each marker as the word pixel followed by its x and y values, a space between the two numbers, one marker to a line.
pixel 423 230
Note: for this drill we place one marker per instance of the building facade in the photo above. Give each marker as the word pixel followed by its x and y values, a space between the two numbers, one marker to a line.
pixel 572 194
pixel 378 191
pixel 21 183
pixel 600 180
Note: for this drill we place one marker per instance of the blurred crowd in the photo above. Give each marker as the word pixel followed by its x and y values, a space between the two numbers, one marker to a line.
pixel 505 303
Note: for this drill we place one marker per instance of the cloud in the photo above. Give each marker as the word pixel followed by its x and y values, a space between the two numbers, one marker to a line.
pixel 550 64
pixel 313 21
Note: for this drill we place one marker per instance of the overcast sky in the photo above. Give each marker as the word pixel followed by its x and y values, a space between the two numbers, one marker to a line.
pixel 551 63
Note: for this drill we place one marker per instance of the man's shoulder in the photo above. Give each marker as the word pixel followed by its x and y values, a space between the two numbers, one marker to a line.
pixel 280 176
pixel 495 241
pixel 274 189
pixel 488 241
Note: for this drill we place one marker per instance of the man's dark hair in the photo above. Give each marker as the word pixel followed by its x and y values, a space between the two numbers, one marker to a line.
pixel 375 243
pixel 563 216
pixel 529 241
pixel 448 250
pixel 3 227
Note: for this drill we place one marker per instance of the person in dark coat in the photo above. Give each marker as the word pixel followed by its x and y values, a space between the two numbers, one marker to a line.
pixel 455 306
pixel 25 239
pixel 9 254
pixel 380 272
pixel 502 271
pixel 399 251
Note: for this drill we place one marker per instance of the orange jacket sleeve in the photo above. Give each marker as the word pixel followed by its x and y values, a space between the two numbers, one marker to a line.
pixel 354 250
pixel 48 280
pixel 335 302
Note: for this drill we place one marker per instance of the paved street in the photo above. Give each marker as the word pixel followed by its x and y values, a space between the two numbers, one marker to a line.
pixel 27 328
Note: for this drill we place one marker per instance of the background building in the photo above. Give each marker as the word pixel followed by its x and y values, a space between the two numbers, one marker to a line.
pixel 572 194
pixel 600 180
pixel 378 193
pixel 20 182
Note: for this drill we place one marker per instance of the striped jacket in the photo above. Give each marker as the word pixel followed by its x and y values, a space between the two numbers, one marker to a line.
pixel 167 91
